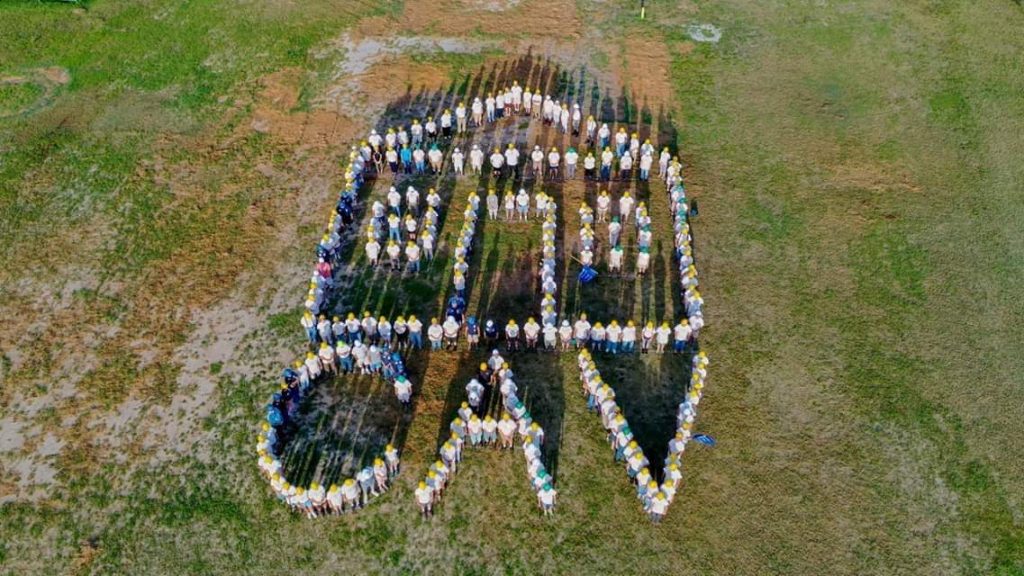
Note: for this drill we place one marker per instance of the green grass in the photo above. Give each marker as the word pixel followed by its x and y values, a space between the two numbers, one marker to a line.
pixel 858 172
pixel 18 97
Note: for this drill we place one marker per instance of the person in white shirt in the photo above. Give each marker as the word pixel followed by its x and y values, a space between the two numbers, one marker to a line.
pixel 412 254
pixel 537 99
pixel 373 252
pixel 607 157
pixel 490 430
pixel 510 206
pixel 625 207
pixel 589 167
pixel 663 161
pixel 517 96
pixel 615 260
pixel 497 161
pixel 523 204
pixel 436 157
pixel 643 260
pixel 661 336
pixel 604 135
pixel 680 336
pixel 571 159
pixel 550 336
pixel 451 333
pixel 531 330
pixel 476 159
pixel 625 167
pixel 412 200
pixel 446 124
pixel 554 158
pixel 565 333
pixel 460 117
pixel 581 332
pixel 528 102
pixel 458 161
pixel 658 507
pixel 564 119
pixel 604 202
pixel 435 334
pixel 512 160
pixel 478 112
pixel 646 161
pixel 577 117
pixel 489 104
pixel 506 431
pixel 499 104
pixel 537 159
pixel 540 204
pixel 425 499
pixel 403 390
pixel 546 498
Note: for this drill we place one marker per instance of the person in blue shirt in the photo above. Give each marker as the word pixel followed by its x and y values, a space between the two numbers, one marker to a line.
pixel 406 156
pixel 472 333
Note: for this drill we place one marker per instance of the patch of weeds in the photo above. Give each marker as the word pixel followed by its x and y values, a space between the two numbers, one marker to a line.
pixel 17 97
pixel 112 380
pixel 285 324
pixel 216 367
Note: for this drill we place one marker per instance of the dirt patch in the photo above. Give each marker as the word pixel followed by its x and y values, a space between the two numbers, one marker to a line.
pixel 644 69
pixel 56 75
pixel 276 114
pixel 557 18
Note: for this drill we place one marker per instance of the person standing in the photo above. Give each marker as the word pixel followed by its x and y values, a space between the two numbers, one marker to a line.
pixel 571 158
pixel 607 157
pixel 492 204
pixel 643 260
pixel 478 112
pixel 415 332
pixel 512 160
pixel 646 337
pixel 554 159
pixel 460 117
pixel 435 335
pixel 458 161
pixel 661 336
pixel 425 499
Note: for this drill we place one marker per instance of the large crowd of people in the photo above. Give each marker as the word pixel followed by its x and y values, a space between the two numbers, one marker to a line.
pixel 402 231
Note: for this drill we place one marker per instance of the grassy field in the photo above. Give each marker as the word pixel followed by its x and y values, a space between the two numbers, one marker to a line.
pixel 165 169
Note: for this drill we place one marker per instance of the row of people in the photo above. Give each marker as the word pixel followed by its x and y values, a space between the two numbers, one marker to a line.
pixel 597 165
pixel 403 334
pixel 353 493
pixel 693 303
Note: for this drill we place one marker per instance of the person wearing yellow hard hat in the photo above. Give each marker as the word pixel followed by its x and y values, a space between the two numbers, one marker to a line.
pixel 506 431
pixel 554 161
pixel 512 336
pixel 349 495
pixel 424 499
pixel 309 325
pixel 446 124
